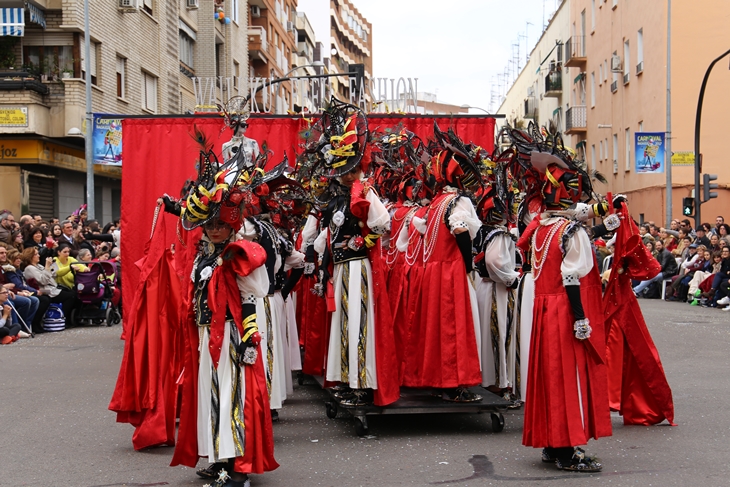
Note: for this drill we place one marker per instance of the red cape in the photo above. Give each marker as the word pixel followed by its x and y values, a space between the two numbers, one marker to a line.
pixel 146 391
pixel 637 385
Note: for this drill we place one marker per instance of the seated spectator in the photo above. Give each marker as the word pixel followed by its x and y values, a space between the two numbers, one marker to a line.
pixel 670 241
pixel 722 275
pixel 109 228
pixel 25 304
pixel 84 255
pixel 41 276
pixel 53 221
pixel 14 273
pixel 702 239
pixel 69 234
pixel 715 243
pixel 645 233
pixel 713 260
pixel 15 240
pixel 37 218
pixel 10 330
pixel 62 263
pixel 654 230
pixel 102 256
pixel 724 234
pixel 56 232
pixel 680 283
pixel 25 220
pixel 669 268
pixel 682 244
pixel 7 225
pixel 35 239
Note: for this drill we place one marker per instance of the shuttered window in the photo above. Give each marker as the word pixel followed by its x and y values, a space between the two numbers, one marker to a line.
pixel 42 196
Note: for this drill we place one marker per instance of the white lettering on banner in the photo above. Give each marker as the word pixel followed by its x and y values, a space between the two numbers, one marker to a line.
pixel 374 96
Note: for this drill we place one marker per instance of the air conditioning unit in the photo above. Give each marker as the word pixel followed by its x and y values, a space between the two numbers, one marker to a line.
pixel 192 3
pixel 129 5
pixel 616 64
pixel 255 11
pixel 289 26
pixel 530 91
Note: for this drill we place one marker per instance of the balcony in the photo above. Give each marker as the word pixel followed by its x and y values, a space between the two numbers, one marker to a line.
pixel 257 46
pixel 531 110
pixel 575 51
pixel 20 81
pixel 575 120
pixel 554 84
pixel 614 86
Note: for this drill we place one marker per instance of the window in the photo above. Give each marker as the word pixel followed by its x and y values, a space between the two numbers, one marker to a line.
pixel 640 51
pixel 593 157
pixel 605 70
pixel 147 6
pixel 187 54
pixel 600 150
pixel 641 126
pixel 593 15
pixel 614 74
pixel 236 74
pixel 121 77
pixel 92 59
pixel 627 143
pixel 234 10
pixel 593 89
pixel 149 92
pixel 627 61
pixel 615 153
pixel 49 61
pixel 600 74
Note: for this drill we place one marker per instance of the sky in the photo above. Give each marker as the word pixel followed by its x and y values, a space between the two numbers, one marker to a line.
pixel 455 48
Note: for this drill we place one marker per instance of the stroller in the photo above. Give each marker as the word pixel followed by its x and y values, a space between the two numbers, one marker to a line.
pixel 95 289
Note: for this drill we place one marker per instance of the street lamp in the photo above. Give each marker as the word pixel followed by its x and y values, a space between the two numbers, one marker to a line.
pixel 89 120
pixel 475 108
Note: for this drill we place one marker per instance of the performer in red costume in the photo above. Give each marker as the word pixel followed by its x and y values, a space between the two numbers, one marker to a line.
pixel 566 387
pixel 637 385
pixel 442 350
pixel 361 355
pixel 224 412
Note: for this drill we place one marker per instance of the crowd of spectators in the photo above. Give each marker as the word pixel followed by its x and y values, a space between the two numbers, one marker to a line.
pixel 38 261
pixel 695 262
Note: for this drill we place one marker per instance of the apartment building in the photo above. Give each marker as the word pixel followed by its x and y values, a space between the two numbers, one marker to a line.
pixel 272 40
pixel 607 81
pixel 144 56
pixel 351 43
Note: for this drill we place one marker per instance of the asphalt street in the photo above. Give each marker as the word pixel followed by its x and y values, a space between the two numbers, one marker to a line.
pixel 56 429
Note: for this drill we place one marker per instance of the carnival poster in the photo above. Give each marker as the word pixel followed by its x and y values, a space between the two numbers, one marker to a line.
pixel 649 152
pixel 107 141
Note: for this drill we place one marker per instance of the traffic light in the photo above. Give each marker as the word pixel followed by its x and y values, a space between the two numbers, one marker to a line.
pixel 707 186
pixel 688 206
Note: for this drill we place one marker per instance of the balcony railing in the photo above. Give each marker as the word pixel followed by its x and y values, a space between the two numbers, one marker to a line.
pixel 640 68
pixel 626 78
pixel 614 87
pixel 554 83
pixel 531 110
pixel 575 119
pixel 575 51
pixel 21 80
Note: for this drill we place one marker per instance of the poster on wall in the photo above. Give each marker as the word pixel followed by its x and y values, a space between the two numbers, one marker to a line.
pixel 107 141
pixel 649 152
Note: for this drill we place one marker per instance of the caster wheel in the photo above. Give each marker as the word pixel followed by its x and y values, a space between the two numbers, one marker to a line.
pixel 497 422
pixel 331 410
pixel 300 379
pixel 361 428
pixel 109 316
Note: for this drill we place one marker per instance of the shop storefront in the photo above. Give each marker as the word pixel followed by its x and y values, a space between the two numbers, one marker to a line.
pixel 47 176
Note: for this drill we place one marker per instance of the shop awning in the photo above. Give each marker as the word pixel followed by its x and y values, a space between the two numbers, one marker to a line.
pixel 11 22
pixel 37 16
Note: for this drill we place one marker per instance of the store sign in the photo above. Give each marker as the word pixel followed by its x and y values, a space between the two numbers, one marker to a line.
pixel 107 141
pixel 377 95
pixel 18 150
pixel 683 159
pixel 649 152
pixel 14 117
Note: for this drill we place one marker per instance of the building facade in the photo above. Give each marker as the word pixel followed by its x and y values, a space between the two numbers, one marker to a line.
pixel 614 84
pixel 351 44
pixel 145 55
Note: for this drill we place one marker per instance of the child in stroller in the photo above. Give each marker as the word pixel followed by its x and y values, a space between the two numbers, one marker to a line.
pixel 95 289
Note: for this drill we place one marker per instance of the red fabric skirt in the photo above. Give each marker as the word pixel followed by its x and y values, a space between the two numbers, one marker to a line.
pixel 441 350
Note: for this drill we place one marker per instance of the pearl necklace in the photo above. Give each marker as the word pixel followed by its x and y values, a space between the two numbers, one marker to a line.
pixel 540 252
pixel 433 226
pixel 392 254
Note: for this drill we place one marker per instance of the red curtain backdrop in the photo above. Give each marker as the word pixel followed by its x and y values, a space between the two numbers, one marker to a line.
pixel 160 155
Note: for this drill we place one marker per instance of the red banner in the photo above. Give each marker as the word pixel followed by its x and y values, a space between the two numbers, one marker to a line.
pixel 160 154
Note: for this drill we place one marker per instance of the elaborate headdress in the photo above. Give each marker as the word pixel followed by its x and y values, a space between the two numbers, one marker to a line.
pixel 454 163
pixel 338 140
pixel 235 112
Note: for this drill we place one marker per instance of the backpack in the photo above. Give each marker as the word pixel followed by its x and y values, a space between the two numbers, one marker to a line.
pixel 54 319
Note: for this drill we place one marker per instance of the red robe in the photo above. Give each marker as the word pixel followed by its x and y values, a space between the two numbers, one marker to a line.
pixel 241 258
pixel 566 385
pixel 146 390
pixel 442 346
pixel 637 385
